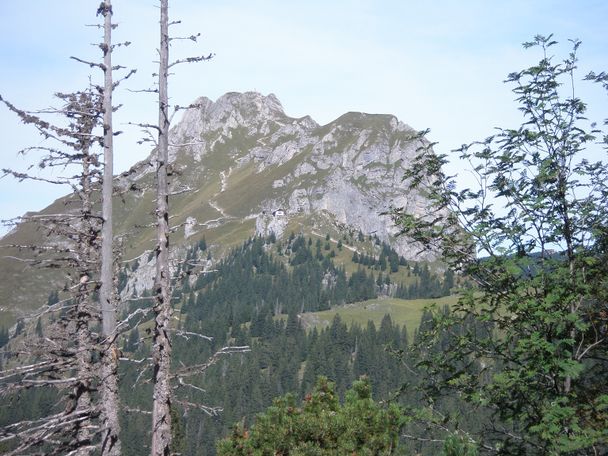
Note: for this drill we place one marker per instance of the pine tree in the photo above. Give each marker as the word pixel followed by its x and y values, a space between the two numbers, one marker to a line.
pixel 321 425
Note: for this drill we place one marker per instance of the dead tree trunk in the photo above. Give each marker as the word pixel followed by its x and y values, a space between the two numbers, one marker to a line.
pixel 88 265
pixel 61 360
pixel 161 354
pixel 109 376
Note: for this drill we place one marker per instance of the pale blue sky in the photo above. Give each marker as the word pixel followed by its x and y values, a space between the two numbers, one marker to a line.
pixel 437 64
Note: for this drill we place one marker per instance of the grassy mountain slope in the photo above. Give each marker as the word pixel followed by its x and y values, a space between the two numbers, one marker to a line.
pixel 237 161
pixel 403 312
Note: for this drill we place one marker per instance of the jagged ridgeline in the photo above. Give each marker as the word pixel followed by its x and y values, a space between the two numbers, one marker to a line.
pixel 241 166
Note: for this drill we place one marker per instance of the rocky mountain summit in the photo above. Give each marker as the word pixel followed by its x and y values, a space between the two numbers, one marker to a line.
pixel 267 166
pixel 241 166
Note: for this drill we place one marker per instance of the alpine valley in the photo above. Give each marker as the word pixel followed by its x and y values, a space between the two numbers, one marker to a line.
pixel 279 242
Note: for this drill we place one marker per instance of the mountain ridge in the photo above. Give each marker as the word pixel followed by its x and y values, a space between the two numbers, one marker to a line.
pixel 241 166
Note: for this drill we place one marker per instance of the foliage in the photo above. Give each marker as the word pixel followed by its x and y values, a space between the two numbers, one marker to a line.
pixel 538 217
pixel 456 445
pixel 238 305
pixel 320 426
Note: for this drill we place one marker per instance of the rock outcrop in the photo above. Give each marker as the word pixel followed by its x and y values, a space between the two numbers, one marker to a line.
pixel 351 169
pixel 241 166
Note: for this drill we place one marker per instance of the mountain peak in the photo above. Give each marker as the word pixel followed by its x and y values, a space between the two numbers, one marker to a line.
pixel 243 167
pixel 251 110
pixel 258 161
pixel 251 103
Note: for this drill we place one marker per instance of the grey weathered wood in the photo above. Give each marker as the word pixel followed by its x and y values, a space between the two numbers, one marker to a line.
pixel 161 350
pixel 109 378
pixel 63 356
pixel 84 311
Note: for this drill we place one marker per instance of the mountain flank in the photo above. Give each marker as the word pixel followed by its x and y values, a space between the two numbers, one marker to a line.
pixel 242 167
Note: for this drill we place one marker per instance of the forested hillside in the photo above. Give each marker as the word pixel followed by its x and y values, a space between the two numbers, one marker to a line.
pixel 255 297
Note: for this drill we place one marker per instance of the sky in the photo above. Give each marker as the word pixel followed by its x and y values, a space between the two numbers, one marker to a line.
pixel 438 64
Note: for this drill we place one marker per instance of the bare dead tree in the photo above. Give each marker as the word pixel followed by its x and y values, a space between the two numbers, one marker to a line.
pixel 92 423
pixel 62 360
pixel 111 445
pixel 161 344
pixel 78 237
pixel 110 404
pixel 87 245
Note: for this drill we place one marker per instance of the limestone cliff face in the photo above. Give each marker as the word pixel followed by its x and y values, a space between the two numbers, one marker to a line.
pixel 350 170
